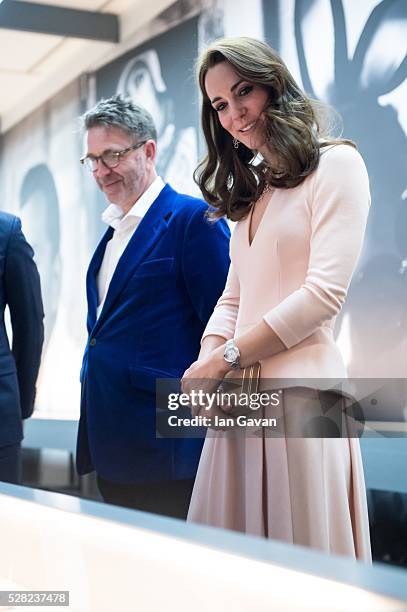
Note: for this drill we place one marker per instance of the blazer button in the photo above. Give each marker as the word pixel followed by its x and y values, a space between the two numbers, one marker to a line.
pixel 92 342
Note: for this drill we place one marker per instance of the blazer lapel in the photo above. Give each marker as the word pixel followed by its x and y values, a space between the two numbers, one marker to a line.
pixel 91 286
pixel 146 235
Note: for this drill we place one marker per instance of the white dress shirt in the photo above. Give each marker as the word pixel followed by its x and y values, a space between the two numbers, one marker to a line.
pixel 124 226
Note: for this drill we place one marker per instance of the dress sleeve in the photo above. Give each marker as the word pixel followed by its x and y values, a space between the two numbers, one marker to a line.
pixel 339 204
pixel 223 319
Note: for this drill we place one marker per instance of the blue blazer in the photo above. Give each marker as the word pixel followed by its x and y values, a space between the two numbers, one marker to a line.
pixel 160 298
pixel 20 290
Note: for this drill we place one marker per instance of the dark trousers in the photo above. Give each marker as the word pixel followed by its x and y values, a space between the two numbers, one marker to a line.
pixel 170 498
pixel 10 463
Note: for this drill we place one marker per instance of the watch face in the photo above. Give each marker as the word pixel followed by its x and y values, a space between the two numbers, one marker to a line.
pixel 230 354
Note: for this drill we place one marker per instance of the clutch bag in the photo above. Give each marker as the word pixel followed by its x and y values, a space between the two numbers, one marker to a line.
pixel 240 385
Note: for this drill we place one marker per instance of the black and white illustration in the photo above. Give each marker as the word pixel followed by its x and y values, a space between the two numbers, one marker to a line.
pixel 160 76
pixel 42 182
pixel 39 213
pixel 349 54
pixel 353 56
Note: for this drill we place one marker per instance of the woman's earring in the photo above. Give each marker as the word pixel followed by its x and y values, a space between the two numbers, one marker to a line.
pixel 235 143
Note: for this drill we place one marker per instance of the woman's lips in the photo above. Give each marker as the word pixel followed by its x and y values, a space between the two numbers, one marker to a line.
pixel 248 127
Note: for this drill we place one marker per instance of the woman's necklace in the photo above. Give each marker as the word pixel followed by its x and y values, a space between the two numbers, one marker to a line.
pixel 267 187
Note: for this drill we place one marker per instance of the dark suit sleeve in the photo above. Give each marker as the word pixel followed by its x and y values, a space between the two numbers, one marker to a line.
pixel 23 296
pixel 205 262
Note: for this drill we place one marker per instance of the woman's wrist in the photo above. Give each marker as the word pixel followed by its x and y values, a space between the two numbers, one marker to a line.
pixel 221 365
pixel 209 344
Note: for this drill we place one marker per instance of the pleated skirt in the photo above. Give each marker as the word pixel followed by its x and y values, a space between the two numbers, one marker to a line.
pixel 308 491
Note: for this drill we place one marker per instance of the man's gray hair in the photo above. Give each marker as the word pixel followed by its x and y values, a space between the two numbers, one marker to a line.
pixel 121 112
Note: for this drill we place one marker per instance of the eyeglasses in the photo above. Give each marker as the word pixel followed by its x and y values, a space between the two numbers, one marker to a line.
pixel 110 159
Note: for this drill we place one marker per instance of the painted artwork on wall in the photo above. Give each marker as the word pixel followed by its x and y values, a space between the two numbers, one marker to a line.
pixel 159 75
pixel 60 207
pixel 43 183
pixel 345 53
pixel 352 56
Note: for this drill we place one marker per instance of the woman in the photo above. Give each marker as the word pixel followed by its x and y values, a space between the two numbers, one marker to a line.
pixel 301 207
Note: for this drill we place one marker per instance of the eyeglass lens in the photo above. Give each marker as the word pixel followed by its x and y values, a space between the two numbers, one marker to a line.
pixel 111 159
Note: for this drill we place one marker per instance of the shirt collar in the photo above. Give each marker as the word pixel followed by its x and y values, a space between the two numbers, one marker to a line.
pixel 113 214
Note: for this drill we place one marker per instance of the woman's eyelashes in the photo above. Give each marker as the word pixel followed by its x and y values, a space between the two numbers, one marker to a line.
pixel 220 107
pixel 244 91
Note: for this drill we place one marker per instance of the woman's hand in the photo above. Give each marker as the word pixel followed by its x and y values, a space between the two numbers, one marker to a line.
pixel 204 376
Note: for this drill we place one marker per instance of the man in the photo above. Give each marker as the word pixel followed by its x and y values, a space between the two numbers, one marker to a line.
pixel 20 291
pixel 151 286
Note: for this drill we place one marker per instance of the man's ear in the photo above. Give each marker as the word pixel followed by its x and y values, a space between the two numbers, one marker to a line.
pixel 150 149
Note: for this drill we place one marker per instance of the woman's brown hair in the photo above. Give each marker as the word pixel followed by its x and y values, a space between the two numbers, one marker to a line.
pixel 228 177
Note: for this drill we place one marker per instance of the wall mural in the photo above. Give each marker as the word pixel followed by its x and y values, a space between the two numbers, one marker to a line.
pixel 150 76
pixel 345 53
pixel 352 55
pixel 42 182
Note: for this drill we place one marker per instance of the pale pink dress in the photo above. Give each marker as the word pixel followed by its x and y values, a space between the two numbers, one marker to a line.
pixel 295 277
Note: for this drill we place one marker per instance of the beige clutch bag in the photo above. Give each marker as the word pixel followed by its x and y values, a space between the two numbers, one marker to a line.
pixel 239 383
pixel 233 396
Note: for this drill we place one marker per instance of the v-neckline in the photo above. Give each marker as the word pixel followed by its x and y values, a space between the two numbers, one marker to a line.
pixel 250 218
